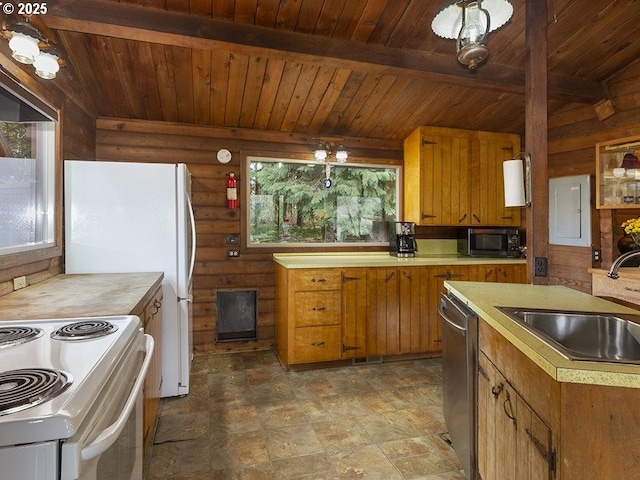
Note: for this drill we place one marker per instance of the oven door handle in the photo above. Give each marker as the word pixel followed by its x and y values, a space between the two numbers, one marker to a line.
pixel 109 435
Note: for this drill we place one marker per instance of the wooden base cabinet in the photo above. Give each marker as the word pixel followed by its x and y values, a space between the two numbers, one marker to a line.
pixel 319 314
pixel 514 442
pixel 152 322
pixel 328 314
pixel 532 427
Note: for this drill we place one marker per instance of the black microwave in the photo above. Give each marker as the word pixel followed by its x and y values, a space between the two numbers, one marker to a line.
pixel 490 242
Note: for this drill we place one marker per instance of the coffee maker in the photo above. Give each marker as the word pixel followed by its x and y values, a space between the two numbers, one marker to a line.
pixel 402 239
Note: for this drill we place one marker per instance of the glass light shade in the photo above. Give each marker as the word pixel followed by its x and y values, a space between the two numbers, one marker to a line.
pixel 24 48
pixel 341 154
pixel 320 153
pixel 46 65
pixel 448 22
pixel 470 43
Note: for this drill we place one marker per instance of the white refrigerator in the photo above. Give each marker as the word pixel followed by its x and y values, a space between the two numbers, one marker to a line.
pixel 137 217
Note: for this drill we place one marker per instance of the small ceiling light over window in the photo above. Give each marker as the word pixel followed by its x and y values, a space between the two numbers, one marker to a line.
pixel 469 22
pixel 46 65
pixel 30 47
pixel 324 150
pixel 341 154
pixel 321 153
pixel 24 48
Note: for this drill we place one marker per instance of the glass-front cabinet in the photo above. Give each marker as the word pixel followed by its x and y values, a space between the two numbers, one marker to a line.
pixel 618 173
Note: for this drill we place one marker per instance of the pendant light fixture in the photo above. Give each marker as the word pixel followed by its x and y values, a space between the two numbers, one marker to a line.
pixel 469 22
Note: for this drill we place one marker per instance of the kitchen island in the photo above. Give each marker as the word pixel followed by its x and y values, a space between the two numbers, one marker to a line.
pixel 540 415
pixel 365 306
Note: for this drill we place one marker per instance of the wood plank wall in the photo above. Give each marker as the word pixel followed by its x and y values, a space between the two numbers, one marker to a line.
pixel 572 138
pixel 126 140
pixel 78 141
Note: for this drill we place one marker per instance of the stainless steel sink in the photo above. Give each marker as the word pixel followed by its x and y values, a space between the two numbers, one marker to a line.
pixel 600 337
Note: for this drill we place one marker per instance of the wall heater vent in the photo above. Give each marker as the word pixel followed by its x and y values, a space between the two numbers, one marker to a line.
pixel 237 315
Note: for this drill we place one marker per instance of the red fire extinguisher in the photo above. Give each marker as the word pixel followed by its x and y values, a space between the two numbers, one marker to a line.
pixel 232 192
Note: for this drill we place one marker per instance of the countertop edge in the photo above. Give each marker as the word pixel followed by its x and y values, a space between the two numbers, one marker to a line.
pixel 380 259
pixel 555 365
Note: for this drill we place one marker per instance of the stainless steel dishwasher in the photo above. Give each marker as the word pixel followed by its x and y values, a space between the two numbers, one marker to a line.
pixel 459 372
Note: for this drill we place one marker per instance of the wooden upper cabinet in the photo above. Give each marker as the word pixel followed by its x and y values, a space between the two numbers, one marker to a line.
pixel 454 177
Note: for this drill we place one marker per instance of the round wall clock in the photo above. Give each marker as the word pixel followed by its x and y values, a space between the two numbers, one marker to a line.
pixel 224 155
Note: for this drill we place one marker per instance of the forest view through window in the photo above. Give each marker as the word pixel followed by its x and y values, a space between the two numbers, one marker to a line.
pixel 293 202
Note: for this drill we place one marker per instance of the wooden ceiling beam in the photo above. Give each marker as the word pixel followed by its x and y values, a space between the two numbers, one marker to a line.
pixel 145 24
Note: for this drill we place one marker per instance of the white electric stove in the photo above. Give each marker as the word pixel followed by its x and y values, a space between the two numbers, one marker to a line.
pixel 70 398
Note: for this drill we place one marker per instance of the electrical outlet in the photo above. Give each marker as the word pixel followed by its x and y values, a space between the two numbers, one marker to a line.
pixel 233 253
pixel 19 282
pixel 233 240
pixel 597 255
pixel 540 266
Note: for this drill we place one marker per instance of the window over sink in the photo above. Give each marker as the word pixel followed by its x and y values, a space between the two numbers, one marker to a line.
pixel 305 203
pixel 28 131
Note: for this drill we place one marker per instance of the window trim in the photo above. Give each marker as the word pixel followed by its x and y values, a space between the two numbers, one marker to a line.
pixel 246 246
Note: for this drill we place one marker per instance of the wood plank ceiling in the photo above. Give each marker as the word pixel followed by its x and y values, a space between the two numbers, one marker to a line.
pixel 368 68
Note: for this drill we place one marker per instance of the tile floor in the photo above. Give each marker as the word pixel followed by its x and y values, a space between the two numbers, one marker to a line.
pixel 246 418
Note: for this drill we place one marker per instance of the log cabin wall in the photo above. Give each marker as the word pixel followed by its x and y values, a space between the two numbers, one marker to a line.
pixel 77 125
pixel 573 135
pixel 143 141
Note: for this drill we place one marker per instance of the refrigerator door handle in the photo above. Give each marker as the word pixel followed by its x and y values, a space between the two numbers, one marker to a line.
pixel 193 237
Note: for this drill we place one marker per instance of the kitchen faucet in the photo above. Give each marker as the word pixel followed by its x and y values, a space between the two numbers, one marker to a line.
pixel 613 271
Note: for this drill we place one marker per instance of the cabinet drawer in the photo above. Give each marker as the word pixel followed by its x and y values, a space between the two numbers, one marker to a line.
pixel 317 279
pixel 318 308
pixel 317 344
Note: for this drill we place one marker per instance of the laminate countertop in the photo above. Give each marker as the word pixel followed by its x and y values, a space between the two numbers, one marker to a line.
pixel 381 259
pixel 82 295
pixel 483 298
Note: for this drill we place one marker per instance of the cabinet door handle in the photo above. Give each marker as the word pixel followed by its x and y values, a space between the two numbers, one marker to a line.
pixel 427 215
pixel 497 389
pixel 462 219
pixel 548 455
pixel 318 344
pixel 508 409
pixel 507 217
pixel 156 306
pixel 318 280
pixel 346 278
pixel 477 218
pixel 318 309
pixel 390 276
pixel 406 275
pixel 349 347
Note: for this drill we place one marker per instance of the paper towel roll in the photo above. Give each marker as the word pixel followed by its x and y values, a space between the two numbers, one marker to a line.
pixel 513 183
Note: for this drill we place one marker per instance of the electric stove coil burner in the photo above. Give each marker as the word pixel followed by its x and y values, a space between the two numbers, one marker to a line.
pixel 84 329
pixel 16 335
pixel 28 387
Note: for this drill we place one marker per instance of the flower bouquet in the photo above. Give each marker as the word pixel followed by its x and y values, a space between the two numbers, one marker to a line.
pixel 632 228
